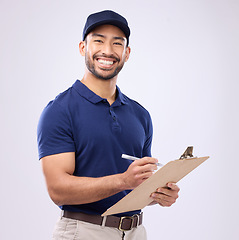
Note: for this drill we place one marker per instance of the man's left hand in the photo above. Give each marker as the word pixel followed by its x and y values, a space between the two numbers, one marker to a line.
pixel 166 196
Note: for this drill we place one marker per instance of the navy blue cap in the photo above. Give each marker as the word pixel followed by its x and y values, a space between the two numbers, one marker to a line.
pixel 106 17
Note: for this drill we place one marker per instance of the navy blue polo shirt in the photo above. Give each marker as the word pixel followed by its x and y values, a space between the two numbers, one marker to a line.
pixel 80 121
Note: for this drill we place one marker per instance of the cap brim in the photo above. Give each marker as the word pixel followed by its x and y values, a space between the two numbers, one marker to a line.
pixel 116 23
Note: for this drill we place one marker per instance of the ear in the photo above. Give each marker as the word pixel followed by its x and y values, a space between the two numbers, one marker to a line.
pixel 82 47
pixel 127 53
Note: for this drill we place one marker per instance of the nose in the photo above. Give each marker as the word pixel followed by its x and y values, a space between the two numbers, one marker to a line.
pixel 107 49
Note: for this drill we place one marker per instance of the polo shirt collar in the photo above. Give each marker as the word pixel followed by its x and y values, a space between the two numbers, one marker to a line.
pixel 86 93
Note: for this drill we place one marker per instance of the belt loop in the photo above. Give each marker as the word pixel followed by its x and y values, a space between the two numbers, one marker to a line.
pixel 137 215
pixel 103 221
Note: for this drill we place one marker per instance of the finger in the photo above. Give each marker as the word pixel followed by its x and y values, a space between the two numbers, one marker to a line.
pixel 173 186
pixel 162 196
pixel 163 199
pixel 163 203
pixel 168 192
pixel 139 179
pixel 141 169
pixel 147 168
pixel 145 175
pixel 146 160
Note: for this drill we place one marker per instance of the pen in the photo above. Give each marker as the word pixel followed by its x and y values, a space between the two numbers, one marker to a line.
pixel 125 156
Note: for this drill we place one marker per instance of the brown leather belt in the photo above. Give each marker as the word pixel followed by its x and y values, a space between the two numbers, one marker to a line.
pixel 122 223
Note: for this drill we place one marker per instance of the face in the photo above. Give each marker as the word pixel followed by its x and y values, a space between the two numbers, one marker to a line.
pixel 105 50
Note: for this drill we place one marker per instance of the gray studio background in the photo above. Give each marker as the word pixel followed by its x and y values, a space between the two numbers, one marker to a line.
pixel 183 68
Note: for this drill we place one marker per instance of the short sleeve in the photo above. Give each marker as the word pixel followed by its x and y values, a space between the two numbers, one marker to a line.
pixel 148 141
pixel 54 132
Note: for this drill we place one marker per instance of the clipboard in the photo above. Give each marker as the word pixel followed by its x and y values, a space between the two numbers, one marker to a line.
pixel 173 171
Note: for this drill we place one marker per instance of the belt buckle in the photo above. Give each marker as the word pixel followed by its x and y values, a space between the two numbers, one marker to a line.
pixel 121 221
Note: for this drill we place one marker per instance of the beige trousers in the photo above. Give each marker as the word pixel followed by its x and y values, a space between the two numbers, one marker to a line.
pixel 69 229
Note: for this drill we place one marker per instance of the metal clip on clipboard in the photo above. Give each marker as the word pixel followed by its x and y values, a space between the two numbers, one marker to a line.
pixel 188 153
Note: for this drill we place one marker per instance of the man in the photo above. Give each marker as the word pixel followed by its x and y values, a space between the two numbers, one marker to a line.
pixel 83 133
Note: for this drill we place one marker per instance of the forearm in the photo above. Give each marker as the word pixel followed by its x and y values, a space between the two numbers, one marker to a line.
pixel 66 189
pixel 71 190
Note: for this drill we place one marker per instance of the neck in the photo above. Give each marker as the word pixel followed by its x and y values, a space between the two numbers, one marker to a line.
pixel 103 88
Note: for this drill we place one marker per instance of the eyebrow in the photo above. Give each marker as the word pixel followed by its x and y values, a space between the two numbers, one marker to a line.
pixel 98 35
pixel 103 36
pixel 119 38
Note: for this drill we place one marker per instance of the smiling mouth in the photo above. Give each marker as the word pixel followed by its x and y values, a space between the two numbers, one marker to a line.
pixel 105 62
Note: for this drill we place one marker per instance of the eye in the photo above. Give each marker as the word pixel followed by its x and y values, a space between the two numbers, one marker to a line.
pixel 98 41
pixel 118 43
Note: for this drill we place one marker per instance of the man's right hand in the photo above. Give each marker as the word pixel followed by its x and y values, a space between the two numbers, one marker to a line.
pixel 139 171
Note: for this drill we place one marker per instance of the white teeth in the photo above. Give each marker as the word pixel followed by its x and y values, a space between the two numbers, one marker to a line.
pixel 105 62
